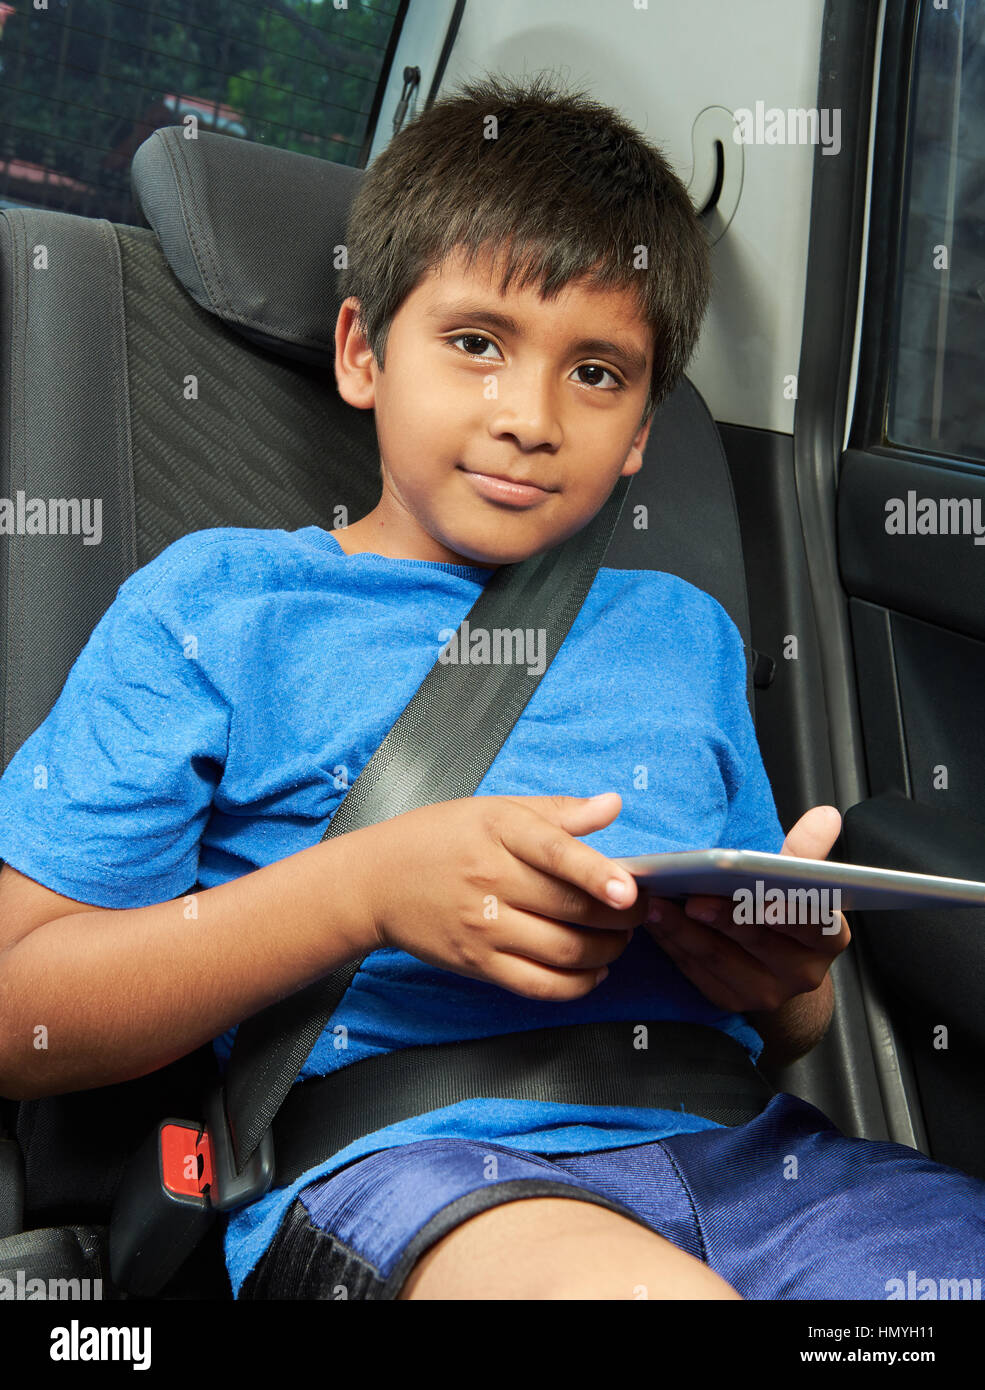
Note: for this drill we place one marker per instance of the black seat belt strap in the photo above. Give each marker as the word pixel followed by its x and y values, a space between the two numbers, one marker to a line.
pixel 662 1065
pixel 438 750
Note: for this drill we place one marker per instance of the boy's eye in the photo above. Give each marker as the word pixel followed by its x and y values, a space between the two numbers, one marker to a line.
pixel 472 338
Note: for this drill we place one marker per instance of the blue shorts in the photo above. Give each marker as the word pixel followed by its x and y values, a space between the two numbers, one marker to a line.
pixel 784 1206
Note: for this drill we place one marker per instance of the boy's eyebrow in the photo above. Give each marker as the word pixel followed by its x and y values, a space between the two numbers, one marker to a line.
pixel 632 359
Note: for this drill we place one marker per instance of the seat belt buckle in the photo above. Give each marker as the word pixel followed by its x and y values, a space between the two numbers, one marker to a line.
pixel 162 1208
pixel 176 1182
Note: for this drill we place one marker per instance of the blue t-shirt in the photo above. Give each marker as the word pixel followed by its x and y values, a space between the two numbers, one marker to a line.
pixel 237 686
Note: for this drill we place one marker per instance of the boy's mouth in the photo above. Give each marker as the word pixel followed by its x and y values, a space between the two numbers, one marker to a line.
pixel 499 489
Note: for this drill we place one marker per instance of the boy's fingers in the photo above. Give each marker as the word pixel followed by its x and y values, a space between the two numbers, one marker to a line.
pixel 707 909
pixel 560 945
pixel 544 846
pixel 751 964
pixel 828 936
pixel 722 913
pixel 717 967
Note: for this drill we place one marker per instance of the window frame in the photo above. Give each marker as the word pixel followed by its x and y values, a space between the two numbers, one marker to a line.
pixel 881 292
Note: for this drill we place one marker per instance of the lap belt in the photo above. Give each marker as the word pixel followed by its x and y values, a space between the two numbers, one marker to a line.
pixel 683 1066
pixel 186 1171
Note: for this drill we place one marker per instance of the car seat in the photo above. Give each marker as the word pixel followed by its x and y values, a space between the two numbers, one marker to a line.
pixel 182 372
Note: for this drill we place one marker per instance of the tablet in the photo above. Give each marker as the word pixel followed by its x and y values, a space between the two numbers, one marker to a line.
pixel 753 873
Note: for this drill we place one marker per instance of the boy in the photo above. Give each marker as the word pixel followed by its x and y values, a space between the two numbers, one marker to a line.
pixel 228 764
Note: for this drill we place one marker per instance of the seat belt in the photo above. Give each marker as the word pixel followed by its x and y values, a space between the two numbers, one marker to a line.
pixel 438 750
pixel 653 1065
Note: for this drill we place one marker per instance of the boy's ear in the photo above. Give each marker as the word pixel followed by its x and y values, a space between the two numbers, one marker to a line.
pixel 353 358
pixel 634 459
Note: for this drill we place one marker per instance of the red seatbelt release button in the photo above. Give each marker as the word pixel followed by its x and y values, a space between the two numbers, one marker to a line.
pixel 186 1161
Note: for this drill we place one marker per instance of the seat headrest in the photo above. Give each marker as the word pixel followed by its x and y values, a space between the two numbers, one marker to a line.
pixel 251 232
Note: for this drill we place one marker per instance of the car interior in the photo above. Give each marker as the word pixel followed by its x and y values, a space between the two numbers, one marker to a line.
pixel 766 478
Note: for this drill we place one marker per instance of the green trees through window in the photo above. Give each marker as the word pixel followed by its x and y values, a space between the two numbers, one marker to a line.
pixel 84 82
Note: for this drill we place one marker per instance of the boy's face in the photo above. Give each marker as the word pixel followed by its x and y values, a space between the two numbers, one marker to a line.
pixel 463 392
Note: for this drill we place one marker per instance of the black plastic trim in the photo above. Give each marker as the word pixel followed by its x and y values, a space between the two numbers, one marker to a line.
pixel 882 712
pixel 791 716
pixel 381 86
pixel 938 578
pixel 450 36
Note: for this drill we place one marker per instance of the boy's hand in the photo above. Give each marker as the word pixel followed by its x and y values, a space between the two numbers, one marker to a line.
pixel 746 967
pixel 489 886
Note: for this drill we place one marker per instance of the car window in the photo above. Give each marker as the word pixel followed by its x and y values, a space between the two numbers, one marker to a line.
pixel 937 391
pixel 82 86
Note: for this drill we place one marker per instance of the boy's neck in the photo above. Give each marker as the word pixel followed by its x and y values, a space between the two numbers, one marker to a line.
pixel 374 536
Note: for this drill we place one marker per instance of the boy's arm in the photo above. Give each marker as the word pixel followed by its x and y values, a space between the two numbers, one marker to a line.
pixel 794 1029
pixel 103 996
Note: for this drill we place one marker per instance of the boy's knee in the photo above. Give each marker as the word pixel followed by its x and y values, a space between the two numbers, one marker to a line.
pixel 559 1248
pixel 633 1263
pixel 660 1276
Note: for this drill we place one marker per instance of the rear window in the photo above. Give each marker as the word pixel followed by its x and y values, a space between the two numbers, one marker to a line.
pixel 85 82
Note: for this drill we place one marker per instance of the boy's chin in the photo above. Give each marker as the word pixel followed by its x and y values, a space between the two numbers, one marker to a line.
pixel 494 555
pixel 505 542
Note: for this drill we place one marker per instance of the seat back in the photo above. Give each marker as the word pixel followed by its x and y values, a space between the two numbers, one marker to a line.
pixel 182 374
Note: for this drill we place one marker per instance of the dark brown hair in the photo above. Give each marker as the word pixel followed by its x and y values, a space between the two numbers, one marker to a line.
pixel 566 187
